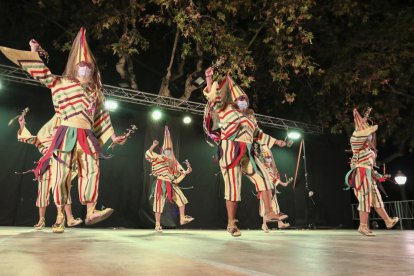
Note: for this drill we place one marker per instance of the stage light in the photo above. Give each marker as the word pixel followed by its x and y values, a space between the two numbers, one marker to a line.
pixel 294 134
pixel 400 178
pixel 156 115
pixel 199 81
pixel 187 120
pixel 111 105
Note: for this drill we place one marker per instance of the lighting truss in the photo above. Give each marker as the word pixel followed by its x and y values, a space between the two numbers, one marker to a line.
pixel 17 75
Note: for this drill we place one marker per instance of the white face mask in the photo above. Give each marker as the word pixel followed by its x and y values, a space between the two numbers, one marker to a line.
pixel 84 71
pixel 268 160
pixel 167 152
pixel 242 105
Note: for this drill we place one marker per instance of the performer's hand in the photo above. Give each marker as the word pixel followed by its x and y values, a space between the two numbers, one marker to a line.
pixel 280 143
pixel 22 122
pixel 209 72
pixel 155 143
pixel 189 169
pixel 120 140
pixel 34 45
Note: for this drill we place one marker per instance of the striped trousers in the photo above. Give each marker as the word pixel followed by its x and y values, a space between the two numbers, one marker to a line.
pixel 253 170
pixel 46 184
pixel 368 199
pixel 88 175
pixel 366 191
pixel 177 196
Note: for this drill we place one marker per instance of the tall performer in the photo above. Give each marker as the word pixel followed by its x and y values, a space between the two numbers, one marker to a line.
pixel 227 110
pixel 363 177
pixel 169 174
pixel 42 141
pixel 79 101
pixel 274 175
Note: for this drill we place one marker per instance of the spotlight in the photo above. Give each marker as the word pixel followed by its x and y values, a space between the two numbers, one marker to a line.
pixel 156 115
pixel 111 105
pixel 187 120
pixel 400 178
pixel 199 81
pixel 294 135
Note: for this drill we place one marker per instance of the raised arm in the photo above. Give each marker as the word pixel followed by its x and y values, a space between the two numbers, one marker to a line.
pixel 212 91
pixel 150 155
pixel 31 63
pixel 24 135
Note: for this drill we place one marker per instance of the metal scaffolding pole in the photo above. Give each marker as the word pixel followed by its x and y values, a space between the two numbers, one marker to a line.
pixel 17 75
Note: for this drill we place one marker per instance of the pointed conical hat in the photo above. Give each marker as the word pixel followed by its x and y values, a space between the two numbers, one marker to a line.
pixel 229 86
pixel 167 140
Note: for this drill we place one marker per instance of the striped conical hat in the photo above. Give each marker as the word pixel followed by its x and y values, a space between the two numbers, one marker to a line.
pixel 362 128
pixel 228 85
pixel 167 140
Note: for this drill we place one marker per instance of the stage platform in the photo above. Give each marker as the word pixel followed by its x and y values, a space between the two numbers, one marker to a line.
pixel 24 251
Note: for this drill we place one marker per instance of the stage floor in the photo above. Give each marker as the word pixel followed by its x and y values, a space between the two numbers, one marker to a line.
pixel 24 251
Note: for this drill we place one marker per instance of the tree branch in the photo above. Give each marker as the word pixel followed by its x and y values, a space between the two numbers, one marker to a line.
pixel 164 91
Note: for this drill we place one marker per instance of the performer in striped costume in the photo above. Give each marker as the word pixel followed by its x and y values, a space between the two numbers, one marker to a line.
pixel 42 141
pixel 362 177
pixel 79 101
pixel 274 175
pixel 228 107
pixel 169 174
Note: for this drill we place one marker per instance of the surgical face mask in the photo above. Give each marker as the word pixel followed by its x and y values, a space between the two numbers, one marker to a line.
pixel 84 71
pixel 242 105
pixel 167 152
pixel 268 160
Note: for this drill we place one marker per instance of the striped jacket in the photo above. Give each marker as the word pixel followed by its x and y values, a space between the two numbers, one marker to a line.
pixel 160 167
pixel 235 125
pixel 363 155
pixel 76 105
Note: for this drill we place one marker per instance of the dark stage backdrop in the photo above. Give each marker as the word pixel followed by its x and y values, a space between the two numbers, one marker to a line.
pixel 125 179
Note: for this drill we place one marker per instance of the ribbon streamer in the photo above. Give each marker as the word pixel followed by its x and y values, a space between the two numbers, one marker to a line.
pixel 297 164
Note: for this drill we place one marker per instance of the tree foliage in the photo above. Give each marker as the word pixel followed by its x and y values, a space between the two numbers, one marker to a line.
pixel 300 59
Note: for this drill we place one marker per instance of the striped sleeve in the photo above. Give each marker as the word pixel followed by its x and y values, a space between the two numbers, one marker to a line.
pixel 277 179
pixel 25 136
pixel 151 155
pixel 179 174
pixel 214 97
pixel 262 138
pixel 31 63
pixel 102 126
